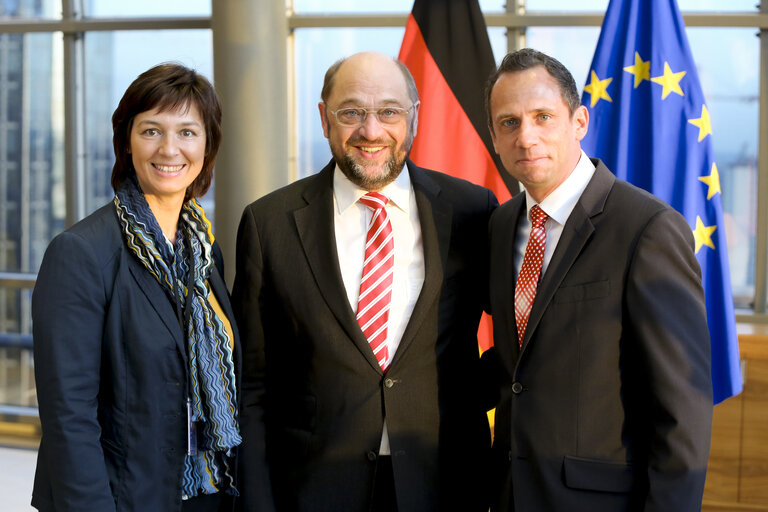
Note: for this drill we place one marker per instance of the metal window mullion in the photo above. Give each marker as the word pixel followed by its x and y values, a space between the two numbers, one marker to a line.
pixel 516 39
pixel 513 17
pixel 80 24
pixel 74 117
pixel 761 244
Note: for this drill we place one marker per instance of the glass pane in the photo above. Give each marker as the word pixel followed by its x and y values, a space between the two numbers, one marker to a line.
pixel 315 51
pixel 31 155
pixel 112 61
pixel 573 46
pixel 718 5
pixel 50 9
pixel 147 8
pixel 733 106
pixel 17 385
pixel 566 5
pixel 393 6
pixel 602 5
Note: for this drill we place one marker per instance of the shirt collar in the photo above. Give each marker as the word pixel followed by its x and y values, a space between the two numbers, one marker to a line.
pixel 560 202
pixel 347 193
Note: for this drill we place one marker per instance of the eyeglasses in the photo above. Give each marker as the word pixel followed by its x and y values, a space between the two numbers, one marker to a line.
pixel 355 116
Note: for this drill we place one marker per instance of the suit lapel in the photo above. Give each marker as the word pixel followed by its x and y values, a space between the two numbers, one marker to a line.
pixel 159 300
pixel 577 230
pixel 315 224
pixel 435 218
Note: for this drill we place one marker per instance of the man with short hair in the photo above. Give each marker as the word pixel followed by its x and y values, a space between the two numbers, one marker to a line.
pixel 599 320
pixel 358 295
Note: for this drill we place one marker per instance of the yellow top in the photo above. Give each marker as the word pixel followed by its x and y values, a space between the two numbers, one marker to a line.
pixel 220 313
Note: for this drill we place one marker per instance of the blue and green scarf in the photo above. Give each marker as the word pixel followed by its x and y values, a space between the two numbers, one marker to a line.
pixel 211 367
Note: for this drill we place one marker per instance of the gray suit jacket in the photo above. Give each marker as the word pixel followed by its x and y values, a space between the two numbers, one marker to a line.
pixel 608 405
pixel 315 397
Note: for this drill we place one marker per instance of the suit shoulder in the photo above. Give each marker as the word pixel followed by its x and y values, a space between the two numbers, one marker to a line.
pixel 640 203
pixel 507 210
pixel 100 231
pixel 93 242
pixel 285 198
pixel 459 191
pixel 452 182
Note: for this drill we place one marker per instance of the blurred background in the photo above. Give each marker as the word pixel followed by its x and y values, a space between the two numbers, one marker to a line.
pixel 64 64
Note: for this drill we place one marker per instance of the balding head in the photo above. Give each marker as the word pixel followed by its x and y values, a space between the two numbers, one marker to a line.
pixel 359 62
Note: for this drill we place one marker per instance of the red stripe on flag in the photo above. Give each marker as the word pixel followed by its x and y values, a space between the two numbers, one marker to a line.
pixel 446 140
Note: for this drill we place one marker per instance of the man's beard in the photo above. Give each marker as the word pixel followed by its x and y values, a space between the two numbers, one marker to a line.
pixel 356 172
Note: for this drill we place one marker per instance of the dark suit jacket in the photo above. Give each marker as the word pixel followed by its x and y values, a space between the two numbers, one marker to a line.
pixel 313 391
pixel 111 373
pixel 608 406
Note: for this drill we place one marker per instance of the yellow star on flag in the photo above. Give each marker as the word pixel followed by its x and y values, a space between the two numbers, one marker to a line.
pixel 597 89
pixel 670 81
pixel 703 234
pixel 713 180
pixel 641 70
pixel 704 124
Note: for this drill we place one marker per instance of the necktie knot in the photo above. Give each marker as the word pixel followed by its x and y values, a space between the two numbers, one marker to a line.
pixel 538 216
pixel 375 200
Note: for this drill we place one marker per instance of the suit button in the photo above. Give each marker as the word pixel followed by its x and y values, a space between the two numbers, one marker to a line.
pixel 371 456
pixel 388 383
pixel 517 388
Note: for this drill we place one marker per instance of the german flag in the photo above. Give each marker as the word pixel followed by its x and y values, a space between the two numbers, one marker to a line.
pixel 446 48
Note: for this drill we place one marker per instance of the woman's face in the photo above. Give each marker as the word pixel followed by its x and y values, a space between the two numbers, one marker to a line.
pixel 168 151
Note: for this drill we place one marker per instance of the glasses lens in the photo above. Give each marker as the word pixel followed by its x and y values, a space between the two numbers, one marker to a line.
pixel 350 116
pixel 390 115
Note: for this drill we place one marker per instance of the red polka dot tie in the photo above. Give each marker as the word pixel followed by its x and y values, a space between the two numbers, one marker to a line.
pixel 376 284
pixel 528 280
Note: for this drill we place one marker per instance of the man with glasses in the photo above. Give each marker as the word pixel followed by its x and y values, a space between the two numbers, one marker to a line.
pixel 359 291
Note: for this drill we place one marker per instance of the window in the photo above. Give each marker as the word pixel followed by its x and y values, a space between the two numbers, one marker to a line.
pixel 40 159
pixel 61 77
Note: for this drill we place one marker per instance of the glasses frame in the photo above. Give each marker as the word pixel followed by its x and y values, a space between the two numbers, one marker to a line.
pixel 372 111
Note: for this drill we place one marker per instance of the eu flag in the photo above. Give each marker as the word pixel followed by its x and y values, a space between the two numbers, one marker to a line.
pixel 650 125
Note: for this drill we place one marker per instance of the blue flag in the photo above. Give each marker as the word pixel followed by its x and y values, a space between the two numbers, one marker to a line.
pixel 650 125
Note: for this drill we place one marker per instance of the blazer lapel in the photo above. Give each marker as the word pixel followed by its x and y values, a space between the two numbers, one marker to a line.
pixel 436 220
pixel 315 224
pixel 159 301
pixel 577 230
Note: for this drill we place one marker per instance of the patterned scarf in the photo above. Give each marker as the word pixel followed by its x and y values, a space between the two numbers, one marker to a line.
pixel 211 367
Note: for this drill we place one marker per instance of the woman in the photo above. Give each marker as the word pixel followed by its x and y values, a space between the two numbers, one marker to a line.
pixel 135 348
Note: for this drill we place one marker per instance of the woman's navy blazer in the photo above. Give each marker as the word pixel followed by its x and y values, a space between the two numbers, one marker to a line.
pixel 111 372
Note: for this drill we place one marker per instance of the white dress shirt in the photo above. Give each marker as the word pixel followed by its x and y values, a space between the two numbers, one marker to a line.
pixel 351 220
pixel 558 205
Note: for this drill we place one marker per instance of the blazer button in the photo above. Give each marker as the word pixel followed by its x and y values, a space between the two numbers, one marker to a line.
pixel 388 383
pixel 371 456
pixel 517 388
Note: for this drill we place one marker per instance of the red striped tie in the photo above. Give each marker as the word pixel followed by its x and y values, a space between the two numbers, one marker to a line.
pixel 528 280
pixel 376 284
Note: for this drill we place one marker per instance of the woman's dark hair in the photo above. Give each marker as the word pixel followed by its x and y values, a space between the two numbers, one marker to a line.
pixel 167 87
